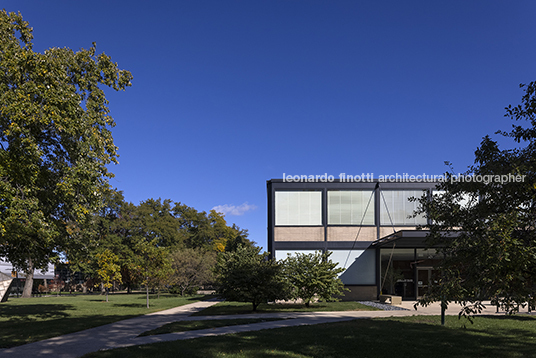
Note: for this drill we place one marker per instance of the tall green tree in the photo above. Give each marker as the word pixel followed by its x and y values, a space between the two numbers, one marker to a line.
pixel 120 233
pixel 55 143
pixel 154 231
pixel 154 221
pixel 111 228
pixel 139 234
pixel 247 275
pixel 313 276
pixel 483 222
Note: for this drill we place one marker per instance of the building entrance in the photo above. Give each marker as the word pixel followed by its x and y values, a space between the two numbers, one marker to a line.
pixel 408 273
pixel 427 277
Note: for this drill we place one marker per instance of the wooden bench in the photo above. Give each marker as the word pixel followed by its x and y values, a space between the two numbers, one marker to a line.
pixel 391 299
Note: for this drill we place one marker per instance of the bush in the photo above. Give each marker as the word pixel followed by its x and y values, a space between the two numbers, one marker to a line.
pixel 246 275
pixel 313 276
pixel 177 290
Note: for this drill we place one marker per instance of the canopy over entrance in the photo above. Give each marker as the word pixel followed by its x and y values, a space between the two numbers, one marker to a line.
pixel 406 263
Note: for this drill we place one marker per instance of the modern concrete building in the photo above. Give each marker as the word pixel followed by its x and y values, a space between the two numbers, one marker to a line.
pixel 368 225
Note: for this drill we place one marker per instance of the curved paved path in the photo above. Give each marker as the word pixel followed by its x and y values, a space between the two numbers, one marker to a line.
pixel 125 333
pixel 103 337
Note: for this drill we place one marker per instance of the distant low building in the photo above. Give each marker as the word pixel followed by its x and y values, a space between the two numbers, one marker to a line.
pixel 7 268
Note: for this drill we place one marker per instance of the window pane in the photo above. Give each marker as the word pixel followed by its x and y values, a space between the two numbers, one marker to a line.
pixel 399 208
pixel 348 208
pixel 298 208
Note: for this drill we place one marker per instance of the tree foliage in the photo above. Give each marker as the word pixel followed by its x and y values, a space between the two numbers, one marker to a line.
pixel 55 142
pixel 246 275
pixel 191 268
pixel 108 269
pixel 208 231
pixel 155 265
pixel 485 226
pixel 236 237
pixel 110 229
pixel 142 236
pixel 313 276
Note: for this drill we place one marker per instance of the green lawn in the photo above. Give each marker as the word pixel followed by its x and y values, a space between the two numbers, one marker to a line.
pixel 227 308
pixel 414 337
pixel 183 326
pixel 33 319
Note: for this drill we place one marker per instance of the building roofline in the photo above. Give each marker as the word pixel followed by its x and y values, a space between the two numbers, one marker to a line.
pixel 326 181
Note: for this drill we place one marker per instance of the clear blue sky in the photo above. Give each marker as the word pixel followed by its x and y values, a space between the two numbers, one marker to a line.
pixel 229 94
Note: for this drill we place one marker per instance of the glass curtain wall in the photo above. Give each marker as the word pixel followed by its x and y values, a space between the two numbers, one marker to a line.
pixel 300 208
pixel 397 209
pixel 351 207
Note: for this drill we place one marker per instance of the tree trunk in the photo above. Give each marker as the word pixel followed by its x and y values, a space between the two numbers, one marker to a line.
pixel 28 284
pixel 147 292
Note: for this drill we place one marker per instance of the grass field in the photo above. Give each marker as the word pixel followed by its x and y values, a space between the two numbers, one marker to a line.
pixel 415 337
pixel 227 308
pixel 33 319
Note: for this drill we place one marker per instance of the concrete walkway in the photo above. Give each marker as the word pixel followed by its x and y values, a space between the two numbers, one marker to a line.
pixel 125 333
pixel 103 337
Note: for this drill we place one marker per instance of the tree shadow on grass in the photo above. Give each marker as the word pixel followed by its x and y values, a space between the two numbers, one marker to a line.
pixel 32 311
pixel 131 305
pixel 364 338
pixel 231 308
pixel 172 295
pixel 516 317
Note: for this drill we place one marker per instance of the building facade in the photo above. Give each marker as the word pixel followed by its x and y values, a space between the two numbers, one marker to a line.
pixel 369 226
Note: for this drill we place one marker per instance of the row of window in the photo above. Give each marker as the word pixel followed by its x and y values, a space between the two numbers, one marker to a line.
pixel 304 208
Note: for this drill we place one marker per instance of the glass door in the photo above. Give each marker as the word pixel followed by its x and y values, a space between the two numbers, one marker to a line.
pixel 426 279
